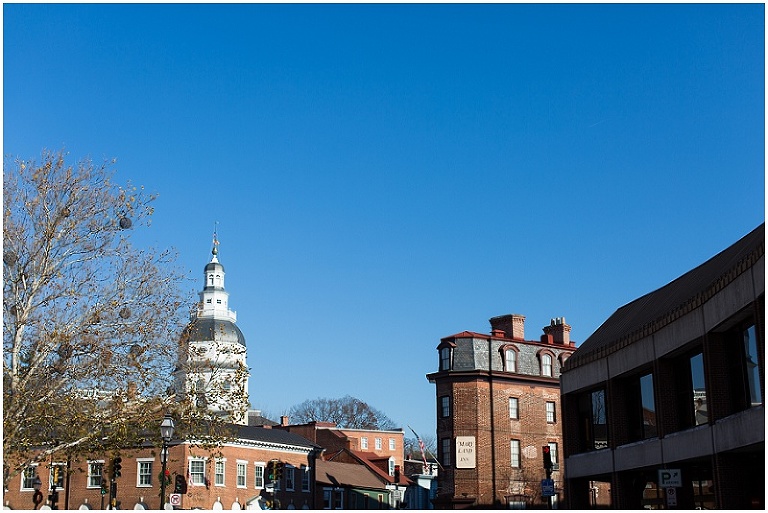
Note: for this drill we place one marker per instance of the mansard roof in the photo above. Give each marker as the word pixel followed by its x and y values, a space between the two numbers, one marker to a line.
pixel 653 311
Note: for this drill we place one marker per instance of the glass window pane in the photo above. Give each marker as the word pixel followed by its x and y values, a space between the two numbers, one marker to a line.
pixel 751 361
pixel 699 390
pixel 649 406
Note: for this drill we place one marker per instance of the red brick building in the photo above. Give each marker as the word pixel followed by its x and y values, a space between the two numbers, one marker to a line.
pixel 498 404
pixel 233 474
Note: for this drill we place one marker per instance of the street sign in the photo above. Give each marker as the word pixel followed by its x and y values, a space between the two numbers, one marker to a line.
pixel 174 499
pixel 671 496
pixel 670 478
pixel 547 488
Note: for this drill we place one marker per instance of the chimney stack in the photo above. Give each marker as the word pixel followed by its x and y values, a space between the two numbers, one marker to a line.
pixel 512 325
pixel 283 420
pixel 558 332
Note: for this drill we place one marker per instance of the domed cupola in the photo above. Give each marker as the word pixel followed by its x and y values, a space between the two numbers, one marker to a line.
pixel 212 366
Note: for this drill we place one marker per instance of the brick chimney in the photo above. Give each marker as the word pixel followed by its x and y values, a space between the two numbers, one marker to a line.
pixel 512 325
pixel 558 332
pixel 283 420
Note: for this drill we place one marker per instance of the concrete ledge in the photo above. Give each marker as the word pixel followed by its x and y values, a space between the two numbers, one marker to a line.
pixel 629 358
pixel 692 443
pixel 589 464
pixel 735 296
pixel 638 454
pixel 740 429
pixel 677 334
pixel 584 376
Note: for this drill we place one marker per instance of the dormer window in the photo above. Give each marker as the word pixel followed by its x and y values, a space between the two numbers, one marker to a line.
pixel 546 365
pixel 445 358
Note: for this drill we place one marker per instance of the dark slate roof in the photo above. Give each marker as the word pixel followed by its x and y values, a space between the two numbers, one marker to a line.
pixel 205 329
pixel 655 310
pixel 275 436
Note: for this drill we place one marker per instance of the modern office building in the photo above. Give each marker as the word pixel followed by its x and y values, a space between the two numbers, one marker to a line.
pixel 663 405
pixel 498 405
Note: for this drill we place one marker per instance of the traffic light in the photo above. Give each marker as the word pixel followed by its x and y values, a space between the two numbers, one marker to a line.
pixel 547 457
pixel 279 470
pixel 397 474
pixel 271 470
pixel 104 486
pixel 180 484
pixel 117 467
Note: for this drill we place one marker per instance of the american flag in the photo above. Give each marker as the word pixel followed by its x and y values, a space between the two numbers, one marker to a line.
pixel 423 450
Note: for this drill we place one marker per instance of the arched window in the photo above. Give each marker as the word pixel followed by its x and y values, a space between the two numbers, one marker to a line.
pixel 546 364
pixel 510 360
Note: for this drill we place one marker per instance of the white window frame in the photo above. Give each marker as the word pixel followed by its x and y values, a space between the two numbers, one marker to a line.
pixel 241 479
pixel 220 464
pixel 514 453
pixel 92 475
pixel 289 472
pixel 195 460
pixel 377 443
pixel 27 476
pixel 140 474
pixel 513 360
pixel 514 408
pixel 392 444
pixel 546 365
pixel 364 442
pixel 62 474
pixel 553 451
pixel 551 412
pixel 305 477
pixel 259 472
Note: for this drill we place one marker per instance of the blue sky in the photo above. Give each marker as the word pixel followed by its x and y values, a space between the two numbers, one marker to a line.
pixel 386 175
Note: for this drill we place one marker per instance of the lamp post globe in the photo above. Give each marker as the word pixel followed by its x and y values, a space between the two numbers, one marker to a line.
pixel 166 433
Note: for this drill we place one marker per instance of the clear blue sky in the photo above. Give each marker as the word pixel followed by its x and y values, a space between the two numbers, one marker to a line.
pixel 387 175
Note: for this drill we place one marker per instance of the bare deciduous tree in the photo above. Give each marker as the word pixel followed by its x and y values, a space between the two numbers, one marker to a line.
pixel 90 322
pixel 347 412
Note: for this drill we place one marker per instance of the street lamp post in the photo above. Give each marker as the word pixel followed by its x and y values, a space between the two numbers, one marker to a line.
pixel 166 433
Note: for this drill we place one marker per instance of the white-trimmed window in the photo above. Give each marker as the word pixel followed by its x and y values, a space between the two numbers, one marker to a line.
pixel 553 451
pixel 218 472
pixel 144 472
pixel 510 360
pixel 364 442
pixel 514 411
pixel 514 451
pixel 197 471
pixel 546 364
pixel 28 476
pixel 378 443
pixel 290 478
pixel 258 475
pixel 241 474
pixel 305 478
pixel 551 417
pixel 95 473
pixel 391 444
pixel 57 473
pixel 391 466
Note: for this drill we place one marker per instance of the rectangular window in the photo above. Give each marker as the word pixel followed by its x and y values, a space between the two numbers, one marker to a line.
pixel 699 390
pixel 751 363
pixel 144 474
pixel 510 360
pixel 57 473
pixel 27 477
pixel 378 444
pixel 218 478
pixel 445 406
pixel 241 474
pixel 290 477
pixel 514 452
pixel 593 430
pixel 445 452
pixel 258 475
pixel 95 471
pixel 514 413
pixel 648 406
pixel 445 358
pixel 364 442
pixel 553 451
pixel 197 472
pixel 305 479
pixel 327 495
pixel 551 418
pixel 391 444
pixel 599 423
